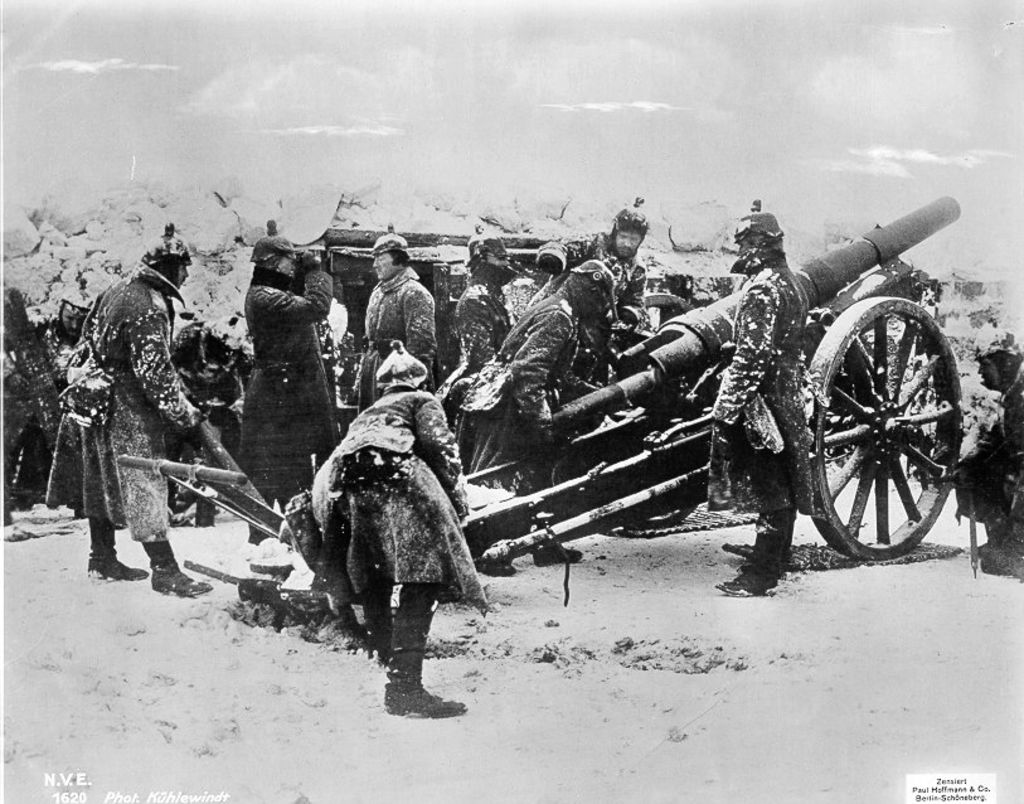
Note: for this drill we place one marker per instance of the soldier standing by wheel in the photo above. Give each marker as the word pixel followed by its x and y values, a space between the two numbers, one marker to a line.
pixel 990 476
pixel 760 442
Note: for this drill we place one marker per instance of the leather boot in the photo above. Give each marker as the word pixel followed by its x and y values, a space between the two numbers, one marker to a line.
pixel 377 615
pixel 767 561
pixel 404 694
pixel 103 563
pixel 168 579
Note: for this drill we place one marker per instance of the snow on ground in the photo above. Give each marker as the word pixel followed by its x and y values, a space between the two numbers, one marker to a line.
pixel 649 687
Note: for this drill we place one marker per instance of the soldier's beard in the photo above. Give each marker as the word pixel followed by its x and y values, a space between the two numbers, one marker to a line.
pixel 753 260
pixel 748 264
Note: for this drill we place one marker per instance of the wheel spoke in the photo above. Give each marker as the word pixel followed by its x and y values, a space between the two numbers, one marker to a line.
pixel 926 416
pixel 860 499
pixel 922 461
pixel 899 479
pixel 881 346
pixel 852 406
pixel 855 435
pixel 919 382
pixel 858 364
pixel 840 478
pixel 882 503
pixel 903 353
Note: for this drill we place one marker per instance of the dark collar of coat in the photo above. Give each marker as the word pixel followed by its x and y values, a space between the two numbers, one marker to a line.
pixel 157 281
pixel 399 279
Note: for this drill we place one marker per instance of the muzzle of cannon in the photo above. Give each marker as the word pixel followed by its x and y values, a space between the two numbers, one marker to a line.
pixel 693 341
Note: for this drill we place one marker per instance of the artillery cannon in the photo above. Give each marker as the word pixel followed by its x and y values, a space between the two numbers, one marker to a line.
pixel 885 412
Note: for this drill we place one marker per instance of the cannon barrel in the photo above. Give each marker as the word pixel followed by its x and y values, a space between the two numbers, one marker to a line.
pixel 693 341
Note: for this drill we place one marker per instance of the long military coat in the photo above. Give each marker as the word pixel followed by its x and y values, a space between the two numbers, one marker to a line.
pixel 991 476
pixel 482 324
pixel 592 362
pixel 538 353
pixel 400 308
pixel 130 333
pixel 288 415
pixel 403 529
pixel 768 332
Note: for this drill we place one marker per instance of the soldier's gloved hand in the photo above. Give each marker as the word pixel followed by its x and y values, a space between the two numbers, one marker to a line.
pixel 628 317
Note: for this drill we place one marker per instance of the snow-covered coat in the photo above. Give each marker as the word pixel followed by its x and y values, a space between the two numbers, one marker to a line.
pixel 768 332
pixel 539 353
pixel 400 308
pixel 402 525
pixel 130 333
pixel 481 323
pixel 630 276
pixel 288 415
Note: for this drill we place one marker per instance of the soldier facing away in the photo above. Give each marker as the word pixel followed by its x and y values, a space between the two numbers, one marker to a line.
pixel 389 503
pixel 760 441
pixel 288 412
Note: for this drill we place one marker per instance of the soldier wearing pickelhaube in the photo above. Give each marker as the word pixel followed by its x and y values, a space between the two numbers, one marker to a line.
pixel 760 442
pixel 129 334
pixel 538 354
pixel 288 419
pixel 272 249
pixel 617 249
pixel 400 308
pixel 169 254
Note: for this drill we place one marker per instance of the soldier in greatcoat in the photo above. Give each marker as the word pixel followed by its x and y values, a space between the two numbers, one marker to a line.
pixel 288 415
pixel 273 249
pixel 990 475
pixel 389 504
pixel 760 441
pixel 400 308
pixel 511 402
pixel 481 323
pixel 533 370
pixel 129 332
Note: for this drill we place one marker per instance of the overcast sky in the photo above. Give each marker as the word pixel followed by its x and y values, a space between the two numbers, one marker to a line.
pixel 819 107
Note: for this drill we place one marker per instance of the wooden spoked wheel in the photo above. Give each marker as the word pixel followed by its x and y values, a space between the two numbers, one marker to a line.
pixel 886 427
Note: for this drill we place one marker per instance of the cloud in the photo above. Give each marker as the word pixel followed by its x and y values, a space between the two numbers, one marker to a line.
pixel 272 95
pixel 885 160
pixel 615 106
pixel 97 67
pixel 336 131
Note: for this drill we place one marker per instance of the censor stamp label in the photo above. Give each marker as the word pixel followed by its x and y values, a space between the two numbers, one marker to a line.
pixel 975 788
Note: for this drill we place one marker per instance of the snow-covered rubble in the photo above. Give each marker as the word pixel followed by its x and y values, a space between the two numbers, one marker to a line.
pixel 74 248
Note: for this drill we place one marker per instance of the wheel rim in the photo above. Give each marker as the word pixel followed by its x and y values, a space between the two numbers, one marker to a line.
pixel 886 427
